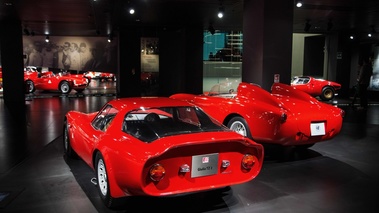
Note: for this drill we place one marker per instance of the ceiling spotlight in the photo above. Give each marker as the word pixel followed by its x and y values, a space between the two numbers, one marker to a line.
pixel 131 8
pixel 369 35
pixel 299 3
pixel 220 13
pixel 47 39
pixel 307 26
pixel 110 38
pixel 351 37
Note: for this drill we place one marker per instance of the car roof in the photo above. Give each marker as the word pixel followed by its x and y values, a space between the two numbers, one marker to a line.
pixel 147 102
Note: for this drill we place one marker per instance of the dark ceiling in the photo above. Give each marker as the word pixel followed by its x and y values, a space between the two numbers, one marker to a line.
pixel 100 17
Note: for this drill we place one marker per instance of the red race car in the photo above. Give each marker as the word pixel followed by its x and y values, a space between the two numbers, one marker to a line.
pixel 158 147
pixel 1 79
pixel 100 75
pixel 326 90
pixel 285 116
pixel 63 82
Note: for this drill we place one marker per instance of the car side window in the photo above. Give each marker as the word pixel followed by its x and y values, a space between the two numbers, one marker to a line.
pixel 104 118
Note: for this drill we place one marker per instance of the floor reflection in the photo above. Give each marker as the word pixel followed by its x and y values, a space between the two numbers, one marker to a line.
pixel 25 131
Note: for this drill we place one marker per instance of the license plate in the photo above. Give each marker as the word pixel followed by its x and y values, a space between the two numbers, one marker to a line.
pixel 203 165
pixel 317 129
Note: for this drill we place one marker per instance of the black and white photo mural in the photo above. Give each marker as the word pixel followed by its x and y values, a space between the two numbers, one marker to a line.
pixel 374 84
pixel 70 53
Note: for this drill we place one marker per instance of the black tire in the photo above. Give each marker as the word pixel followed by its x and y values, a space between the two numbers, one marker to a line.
pixel 68 151
pixel 29 86
pixel 65 87
pixel 102 181
pixel 327 93
pixel 239 125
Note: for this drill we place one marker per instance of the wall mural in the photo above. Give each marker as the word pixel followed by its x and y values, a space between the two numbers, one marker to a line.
pixel 374 84
pixel 71 53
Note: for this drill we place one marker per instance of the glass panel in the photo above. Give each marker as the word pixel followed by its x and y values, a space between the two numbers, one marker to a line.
pixel 222 61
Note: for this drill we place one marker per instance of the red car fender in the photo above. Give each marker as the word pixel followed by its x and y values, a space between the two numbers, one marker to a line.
pixel 113 159
pixel 69 81
pixel 266 112
pixel 110 162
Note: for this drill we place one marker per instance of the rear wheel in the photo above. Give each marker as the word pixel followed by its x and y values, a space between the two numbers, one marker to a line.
pixel 327 93
pixel 239 125
pixel 29 86
pixel 64 87
pixel 102 181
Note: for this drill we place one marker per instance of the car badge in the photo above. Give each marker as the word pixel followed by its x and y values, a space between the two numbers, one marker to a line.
pixel 205 160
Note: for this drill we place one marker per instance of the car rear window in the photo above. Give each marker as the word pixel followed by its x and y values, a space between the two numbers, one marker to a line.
pixel 151 124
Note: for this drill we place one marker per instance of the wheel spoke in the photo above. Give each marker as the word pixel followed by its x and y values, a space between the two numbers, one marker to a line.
pixel 239 128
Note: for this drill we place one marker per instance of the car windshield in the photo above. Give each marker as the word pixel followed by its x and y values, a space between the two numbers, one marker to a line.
pixel 151 124
pixel 300 80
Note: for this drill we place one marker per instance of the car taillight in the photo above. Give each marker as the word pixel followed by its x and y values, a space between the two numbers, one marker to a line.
pixel 157 172
pixel 248 161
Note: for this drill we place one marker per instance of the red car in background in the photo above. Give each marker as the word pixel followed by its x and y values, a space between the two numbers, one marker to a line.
pixel 158 147
pixel 1 79
pixel 100 75
pixel 324 89
pixel 63 82
pixel 285 116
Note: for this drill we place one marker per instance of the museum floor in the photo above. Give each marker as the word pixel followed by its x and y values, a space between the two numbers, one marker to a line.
pixel 340 175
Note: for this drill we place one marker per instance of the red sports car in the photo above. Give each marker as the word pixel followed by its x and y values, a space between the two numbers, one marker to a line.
pixel 285 116
pixel 63 82
pixel 158 147
pixel 326 90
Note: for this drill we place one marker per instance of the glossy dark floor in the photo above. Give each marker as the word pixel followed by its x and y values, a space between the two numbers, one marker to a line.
pixel 340 175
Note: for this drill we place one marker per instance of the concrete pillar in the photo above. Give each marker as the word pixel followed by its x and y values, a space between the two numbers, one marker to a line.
pixel 12 65
pixel 267 41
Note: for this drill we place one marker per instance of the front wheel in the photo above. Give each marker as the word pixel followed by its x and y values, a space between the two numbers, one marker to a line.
pixel 327 93
pixel 64 87
pixel 66 142
pixel 102 181
pixel 239 125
